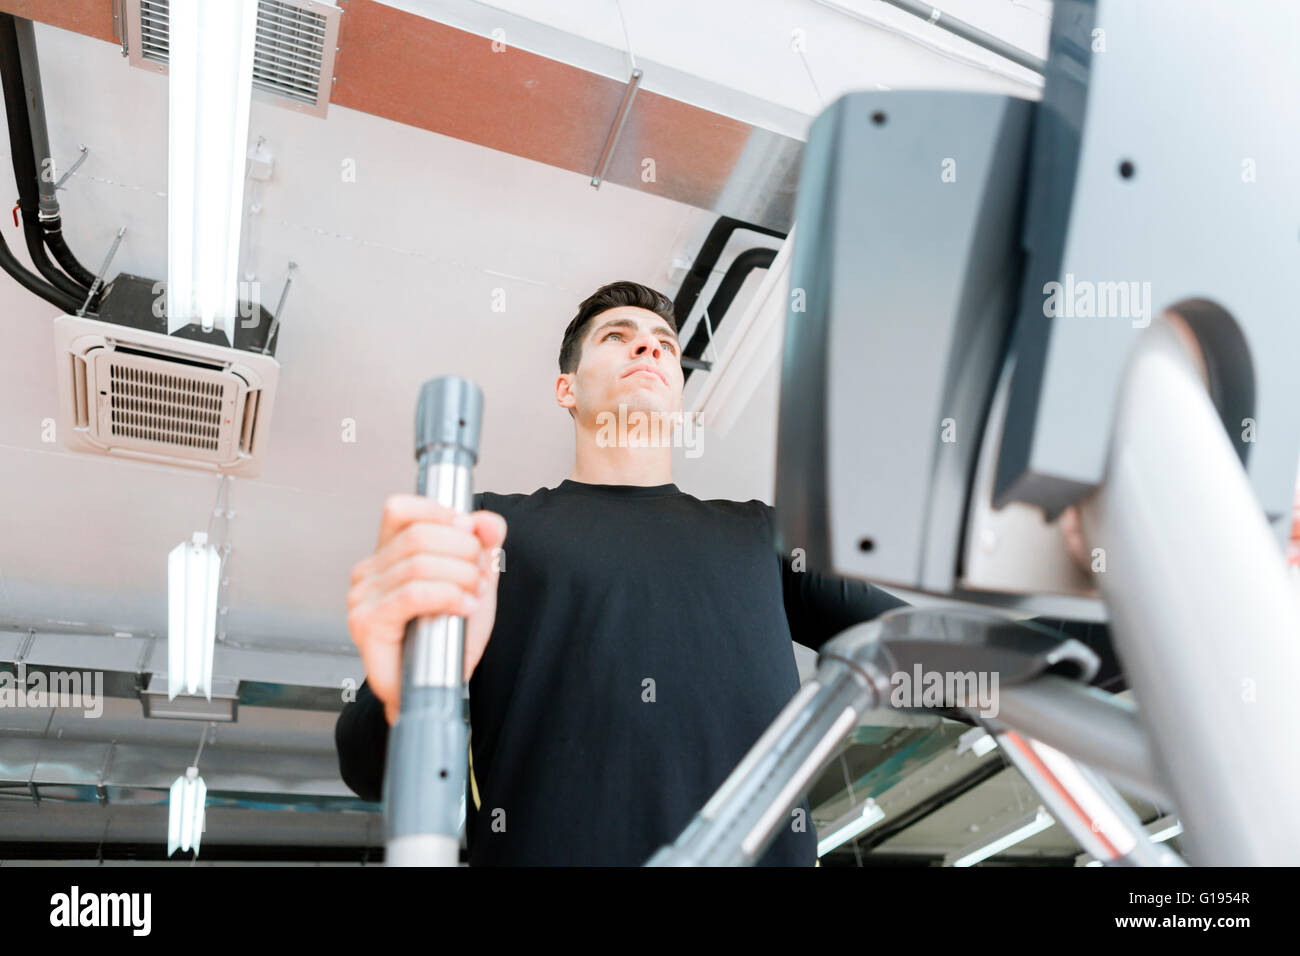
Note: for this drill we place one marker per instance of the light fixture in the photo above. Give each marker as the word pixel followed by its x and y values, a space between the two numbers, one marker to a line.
pixel 193 577
pixel 1166 828
pixel 1158 831
pixel 185 818
pixel 978 741
pixel 1000 840
pixel 861 817
pixel 209 87
pixel 221 706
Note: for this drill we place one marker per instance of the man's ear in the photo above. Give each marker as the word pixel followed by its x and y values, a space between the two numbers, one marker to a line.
pixel 564 396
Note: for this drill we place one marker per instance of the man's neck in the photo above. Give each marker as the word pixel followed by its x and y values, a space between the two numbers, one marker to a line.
pixel 598 464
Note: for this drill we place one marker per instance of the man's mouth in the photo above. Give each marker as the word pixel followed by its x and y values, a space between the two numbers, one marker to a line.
pixel 647 370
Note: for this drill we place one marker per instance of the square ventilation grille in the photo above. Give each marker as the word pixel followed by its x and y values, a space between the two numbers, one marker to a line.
pixel 125 391
pixel 293 60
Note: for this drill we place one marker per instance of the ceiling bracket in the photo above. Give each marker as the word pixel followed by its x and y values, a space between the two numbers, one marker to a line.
pixel 624 109
pixel 99 277
pixel 85 151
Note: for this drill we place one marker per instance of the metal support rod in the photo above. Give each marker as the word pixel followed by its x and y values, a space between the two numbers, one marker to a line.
pixel 611 141
pixel 101 785
pixel 85 152
pixel 279 308
pixel 1202 613
pixel 735 827
pixel 972 34
pixel 855 673
pixel 26 646
pixel 1085 804
pixel 203 739
pixel 1092 726
pixel 119 26
pixel 99 277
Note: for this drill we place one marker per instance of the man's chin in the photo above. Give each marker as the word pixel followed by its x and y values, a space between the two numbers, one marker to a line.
pixel 644 403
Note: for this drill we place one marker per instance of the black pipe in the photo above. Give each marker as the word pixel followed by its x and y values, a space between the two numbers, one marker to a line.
pixel 35 284
pixel 24 162
pixel 740 268
pixel 29 63
pixel 53 229
pixel 709 255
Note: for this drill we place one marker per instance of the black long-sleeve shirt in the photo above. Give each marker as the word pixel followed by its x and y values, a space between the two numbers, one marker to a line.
pixel 641 646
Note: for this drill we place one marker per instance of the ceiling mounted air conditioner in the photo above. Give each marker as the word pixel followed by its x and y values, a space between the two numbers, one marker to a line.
pixel 293 61
pixel 162 398
pixel 752 348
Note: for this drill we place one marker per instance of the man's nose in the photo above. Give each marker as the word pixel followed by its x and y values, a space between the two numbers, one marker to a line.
pixel 652 346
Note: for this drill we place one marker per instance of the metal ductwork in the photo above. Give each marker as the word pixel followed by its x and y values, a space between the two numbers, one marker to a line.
pixel 738 155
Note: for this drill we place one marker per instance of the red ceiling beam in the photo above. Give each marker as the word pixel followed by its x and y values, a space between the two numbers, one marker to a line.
pixel 426 74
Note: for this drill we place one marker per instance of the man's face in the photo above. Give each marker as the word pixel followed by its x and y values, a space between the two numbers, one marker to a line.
pixel 631 357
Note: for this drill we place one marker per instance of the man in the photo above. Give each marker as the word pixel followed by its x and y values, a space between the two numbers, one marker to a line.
pixel 640 637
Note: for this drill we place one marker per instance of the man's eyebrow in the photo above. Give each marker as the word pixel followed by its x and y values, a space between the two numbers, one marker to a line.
pixel 629 324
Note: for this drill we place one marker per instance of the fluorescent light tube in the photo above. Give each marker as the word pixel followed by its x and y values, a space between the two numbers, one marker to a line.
pixel 994 844
pixel 978 741
pixel 1158 831
pixel 210 85
pixel 185 812
pixel 1168 833
pixel 1165 828
pixel 193 576
pixel 852 824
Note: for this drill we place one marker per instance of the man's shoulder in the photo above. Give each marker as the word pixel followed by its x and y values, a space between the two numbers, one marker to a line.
pixel 728 513
pixel 753 506
pixel 503 503
pixel 494 501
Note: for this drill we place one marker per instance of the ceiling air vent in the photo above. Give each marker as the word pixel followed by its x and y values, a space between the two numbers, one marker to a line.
pixel 293 62
pixel 125 391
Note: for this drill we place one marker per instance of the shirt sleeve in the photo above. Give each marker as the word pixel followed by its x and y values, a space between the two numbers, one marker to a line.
pixel 361 738
pixel 818 606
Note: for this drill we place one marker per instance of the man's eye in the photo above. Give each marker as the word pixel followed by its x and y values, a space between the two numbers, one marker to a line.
pixel 669 345
pixel 612 334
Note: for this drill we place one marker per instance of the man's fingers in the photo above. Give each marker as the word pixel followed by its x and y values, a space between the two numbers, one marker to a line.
pixel 416 567
pixel 384 616
pixel 431 537
pixel 490 528
pixel 1071 526
pixel 401 510
pixel 384 674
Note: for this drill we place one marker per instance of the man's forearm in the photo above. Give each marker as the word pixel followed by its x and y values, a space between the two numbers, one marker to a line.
pixel 820 606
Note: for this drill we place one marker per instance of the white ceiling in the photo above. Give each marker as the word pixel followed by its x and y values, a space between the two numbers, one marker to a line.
pixel 696 51
pixel 396 278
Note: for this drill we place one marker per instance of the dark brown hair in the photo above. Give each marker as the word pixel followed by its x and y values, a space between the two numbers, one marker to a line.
pixel 607 297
